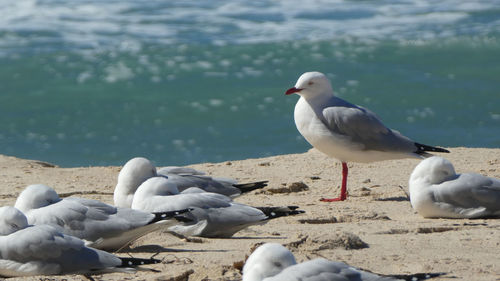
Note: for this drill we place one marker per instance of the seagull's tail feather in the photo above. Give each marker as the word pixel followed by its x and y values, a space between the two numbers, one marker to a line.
pixel 160 216
pixel 134 262
pixel 416 276
pixel 276 212
pixel 422 148
pixel 247 187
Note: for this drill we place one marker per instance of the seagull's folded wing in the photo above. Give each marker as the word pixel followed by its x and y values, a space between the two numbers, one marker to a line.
pixel 470 191
pixel 364 129
pixel 89 219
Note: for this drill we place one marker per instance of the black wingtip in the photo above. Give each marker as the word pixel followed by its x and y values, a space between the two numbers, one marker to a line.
pixel 160 216
pixel 422 148
pixel 133 262
pixel 247 187
pixel 182 218
pixel 417 276
pixel 276 212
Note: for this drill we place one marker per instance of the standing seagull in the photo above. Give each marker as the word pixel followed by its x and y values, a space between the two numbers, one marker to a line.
pixel 346 131
pixel 436 191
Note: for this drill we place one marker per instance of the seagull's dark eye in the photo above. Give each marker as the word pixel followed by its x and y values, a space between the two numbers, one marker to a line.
pixel 445 173
pixel 310 83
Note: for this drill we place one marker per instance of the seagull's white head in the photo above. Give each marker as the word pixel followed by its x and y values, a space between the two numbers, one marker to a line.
pixel 36 196
pixel 11 220
pixel 134 173
pixel 433 170
pixel 268 260
pixel 156 186
pixel 312 84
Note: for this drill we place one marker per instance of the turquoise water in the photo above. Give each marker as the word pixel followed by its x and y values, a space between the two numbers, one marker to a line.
pixel 90 83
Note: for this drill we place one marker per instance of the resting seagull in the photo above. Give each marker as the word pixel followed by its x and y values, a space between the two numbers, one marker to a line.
pixel 436 191
pixel 213 214
pixel 137 170
pixel 102 226
pixel 346 131
pixel 187 177
pixel 27 250
pixel 273 262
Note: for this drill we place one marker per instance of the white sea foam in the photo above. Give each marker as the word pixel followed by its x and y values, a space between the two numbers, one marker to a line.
pixel 118 72
pixel 127 25
pixel 215 102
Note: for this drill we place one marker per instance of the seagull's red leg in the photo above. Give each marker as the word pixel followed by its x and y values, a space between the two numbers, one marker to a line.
pixel 343 188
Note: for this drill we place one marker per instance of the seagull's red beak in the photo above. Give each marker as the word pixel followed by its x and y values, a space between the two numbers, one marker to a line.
pixel 292 90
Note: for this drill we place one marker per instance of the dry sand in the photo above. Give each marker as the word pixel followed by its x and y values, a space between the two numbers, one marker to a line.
pixel 377 212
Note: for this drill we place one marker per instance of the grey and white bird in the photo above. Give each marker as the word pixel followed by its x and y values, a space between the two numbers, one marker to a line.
pixel 102 226
pixel 187 177
pixel 273 262
pixel 213 214
pixel 436 191
pixel 27 250
pixel 345 131
pixel 137 170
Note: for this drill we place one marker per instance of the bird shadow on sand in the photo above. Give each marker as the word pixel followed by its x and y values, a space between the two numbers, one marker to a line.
pixel 159 249
pixel 395 199
pixel 257 237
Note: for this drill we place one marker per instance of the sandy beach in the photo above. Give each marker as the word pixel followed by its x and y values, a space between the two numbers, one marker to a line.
pixel 375 229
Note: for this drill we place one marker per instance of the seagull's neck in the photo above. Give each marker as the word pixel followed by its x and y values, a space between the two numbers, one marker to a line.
pixel 320 101
pixel 22 206
pixel 420 191
pixel 254 275
pixel 141 198
pixel 26 206
pixel 123 195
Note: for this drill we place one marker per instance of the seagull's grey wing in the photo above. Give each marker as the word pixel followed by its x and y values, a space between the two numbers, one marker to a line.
pixel 47 251
pixel 193 190
pixel 106 221
pixel 229 181
pixel 217 185
pixel 183 201
pixel 224 222
pixel 207 183
pixel 364 128
pixel 123 228
pixel 185 181
pixel 66 215
pixel 214 215
pixel 325 270
pixel 111 228
pixel 220 220
pixel 89 219
pixel 101 207
pixel 102 212
pixel 179 171
pixel 99 211
pixel 473 193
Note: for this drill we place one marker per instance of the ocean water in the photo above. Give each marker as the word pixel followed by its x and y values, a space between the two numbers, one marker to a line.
pixel 180 82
